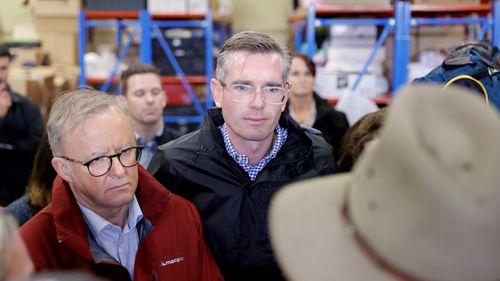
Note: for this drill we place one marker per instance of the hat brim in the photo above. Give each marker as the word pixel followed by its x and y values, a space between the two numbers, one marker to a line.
pixel 310 239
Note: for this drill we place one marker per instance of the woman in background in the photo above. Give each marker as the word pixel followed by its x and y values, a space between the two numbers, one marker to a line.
pixel 39 188
pixel 308 109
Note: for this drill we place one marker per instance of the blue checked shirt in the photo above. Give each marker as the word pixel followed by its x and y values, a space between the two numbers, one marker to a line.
pixel 242 160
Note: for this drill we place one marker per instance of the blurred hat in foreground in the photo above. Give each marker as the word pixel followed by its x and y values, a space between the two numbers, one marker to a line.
pixel 422 204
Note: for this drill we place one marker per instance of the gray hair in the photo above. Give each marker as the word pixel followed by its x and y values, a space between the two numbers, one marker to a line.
pixel 74 107
pixel 253 43
pixel 8 228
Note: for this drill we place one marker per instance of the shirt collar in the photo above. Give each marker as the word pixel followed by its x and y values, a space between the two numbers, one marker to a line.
pixel 158 133
pixel 96 223
pixel 281 136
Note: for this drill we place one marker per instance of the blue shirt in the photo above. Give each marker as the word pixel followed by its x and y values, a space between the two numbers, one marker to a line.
pixel 242 160
pixel 119 243
pixel 149 148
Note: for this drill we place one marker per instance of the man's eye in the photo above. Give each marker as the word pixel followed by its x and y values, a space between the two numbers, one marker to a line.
pixel 139 94
pixel 241 88
pixel 272 90
pixel 156 92
pixel 98 160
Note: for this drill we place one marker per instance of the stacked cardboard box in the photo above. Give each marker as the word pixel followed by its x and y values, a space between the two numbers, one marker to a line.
pixel 345 2
pixel 177 6
pixel 57 25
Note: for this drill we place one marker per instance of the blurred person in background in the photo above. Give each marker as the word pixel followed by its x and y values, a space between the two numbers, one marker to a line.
pixel 358 137
pixel 142 93
pixel 39 188
pixel 15 262
pixel 309 109
pixel 21 127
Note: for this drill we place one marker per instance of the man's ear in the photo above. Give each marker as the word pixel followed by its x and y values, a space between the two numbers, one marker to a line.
pixel 123 100
pixel 62 168
pixel 165 98
pixel 216 89
pixel 287 95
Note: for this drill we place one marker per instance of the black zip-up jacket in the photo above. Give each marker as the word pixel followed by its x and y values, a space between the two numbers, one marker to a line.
pixel 234 209
pixel 20 133
pixel 331 123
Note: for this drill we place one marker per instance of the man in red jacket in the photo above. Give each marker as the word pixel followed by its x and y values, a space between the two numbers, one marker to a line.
pixel 108 215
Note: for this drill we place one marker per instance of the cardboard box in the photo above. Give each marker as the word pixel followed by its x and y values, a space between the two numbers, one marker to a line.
pixel 261 15
pixel 56 24
pixel 56 7
pixel 37 84
pixel 171 6
pixel 61 47
pixel 198 6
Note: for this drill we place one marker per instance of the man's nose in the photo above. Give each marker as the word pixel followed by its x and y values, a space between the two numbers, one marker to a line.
pixel 258 99
pixel 117 168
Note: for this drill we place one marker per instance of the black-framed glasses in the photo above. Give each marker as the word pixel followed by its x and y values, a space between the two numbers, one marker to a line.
pixel 246 93
pixel 101 165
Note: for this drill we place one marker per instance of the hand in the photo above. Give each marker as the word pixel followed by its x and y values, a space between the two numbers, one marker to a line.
pixel 5 100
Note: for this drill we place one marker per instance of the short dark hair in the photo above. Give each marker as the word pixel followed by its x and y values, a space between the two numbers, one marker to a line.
pixel 4 52
pixel 133 70
pixel 254 43
pixel 308 61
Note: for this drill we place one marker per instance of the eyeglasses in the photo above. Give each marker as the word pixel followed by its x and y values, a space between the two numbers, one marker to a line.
pixel 99 166
pixel 246 93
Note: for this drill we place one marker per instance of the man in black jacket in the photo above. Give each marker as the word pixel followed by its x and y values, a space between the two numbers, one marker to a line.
pixel 245 151
pixel 21 128
pixel 143 94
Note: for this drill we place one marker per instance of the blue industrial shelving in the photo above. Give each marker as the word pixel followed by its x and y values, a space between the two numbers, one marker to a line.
pixel 149 25
pixel 398 18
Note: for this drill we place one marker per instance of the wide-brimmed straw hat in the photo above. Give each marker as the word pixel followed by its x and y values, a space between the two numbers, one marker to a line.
pixel 422 204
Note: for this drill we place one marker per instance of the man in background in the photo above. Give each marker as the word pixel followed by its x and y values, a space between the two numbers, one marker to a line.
pixel 143 94
pixel 21 128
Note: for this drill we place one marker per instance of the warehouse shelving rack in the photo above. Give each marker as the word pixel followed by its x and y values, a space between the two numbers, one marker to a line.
pixel 147 25
pixel 399 19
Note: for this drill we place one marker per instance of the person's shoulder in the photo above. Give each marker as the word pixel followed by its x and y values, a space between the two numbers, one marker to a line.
pixel 311 131
pixel 168 134
pixel 21 209
pixel 186 142
pixel 42 224
pixel 22 100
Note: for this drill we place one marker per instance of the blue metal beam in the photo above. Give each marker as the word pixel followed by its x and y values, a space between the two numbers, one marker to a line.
pixel 82 46
pixel 311 30
pixel 178 69
pixel 495 38
pixel 145 48
pixel 402 15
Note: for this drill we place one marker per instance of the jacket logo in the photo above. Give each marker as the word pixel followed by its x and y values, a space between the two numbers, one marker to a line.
pixel 172 261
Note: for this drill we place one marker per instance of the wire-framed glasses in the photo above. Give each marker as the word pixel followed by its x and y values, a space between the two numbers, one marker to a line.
pixel 246 93
pixel 99 166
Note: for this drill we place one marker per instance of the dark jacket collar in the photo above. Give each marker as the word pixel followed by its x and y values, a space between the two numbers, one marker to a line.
pixel 209 134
